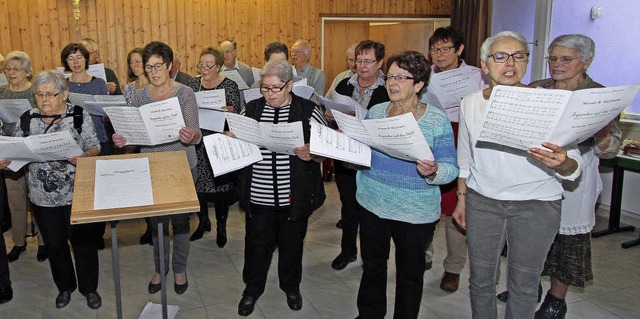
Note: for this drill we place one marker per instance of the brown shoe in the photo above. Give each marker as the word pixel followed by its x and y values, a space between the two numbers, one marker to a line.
pixel 450 282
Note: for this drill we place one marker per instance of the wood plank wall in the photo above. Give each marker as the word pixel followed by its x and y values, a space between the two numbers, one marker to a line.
pixel 43 27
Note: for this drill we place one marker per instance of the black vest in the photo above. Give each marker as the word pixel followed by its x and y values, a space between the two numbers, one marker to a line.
pixel 307 189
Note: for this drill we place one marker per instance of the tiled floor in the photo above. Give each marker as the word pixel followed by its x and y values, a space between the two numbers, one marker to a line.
pixel 215 282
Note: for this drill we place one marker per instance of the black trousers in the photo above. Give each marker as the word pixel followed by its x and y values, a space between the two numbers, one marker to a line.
pixel 346 183
pixel 268 228
pixel 5 280
pixel 57 231
pixel 410 241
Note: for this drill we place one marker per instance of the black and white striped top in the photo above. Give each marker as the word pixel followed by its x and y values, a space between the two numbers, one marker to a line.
pixel 271 182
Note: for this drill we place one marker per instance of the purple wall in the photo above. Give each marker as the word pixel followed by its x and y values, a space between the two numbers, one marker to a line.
pixel 617 37
pixel 515 15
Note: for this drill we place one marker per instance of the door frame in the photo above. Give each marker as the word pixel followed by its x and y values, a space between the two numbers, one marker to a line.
pixel 371 19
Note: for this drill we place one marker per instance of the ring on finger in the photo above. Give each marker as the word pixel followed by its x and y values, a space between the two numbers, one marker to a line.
pixel 555 157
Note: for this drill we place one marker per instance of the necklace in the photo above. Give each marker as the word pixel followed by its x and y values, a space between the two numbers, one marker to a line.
pixel 82 79
pixel 393 104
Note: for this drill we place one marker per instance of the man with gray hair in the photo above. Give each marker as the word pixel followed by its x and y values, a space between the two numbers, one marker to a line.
pixel 175 72
pixel 300 56
pixel 113 85
pixel 231 62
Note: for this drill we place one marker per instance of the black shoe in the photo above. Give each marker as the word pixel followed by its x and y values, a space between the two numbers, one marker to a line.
pixel 93 300
pixel 294 300
pixel 153 288
pixel 146 237
pixel 63 299
pixel 15 252
pixel 428 265
pixel 246 305
pixel 180 289
pixel 43 253
pixel 6 294
pixel 342 261
pixel 339 224
pixel 221 237
pixel 503 296
pixel 197 234
pixel 551 308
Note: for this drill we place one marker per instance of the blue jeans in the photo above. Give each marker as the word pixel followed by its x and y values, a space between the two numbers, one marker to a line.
pixel 529 227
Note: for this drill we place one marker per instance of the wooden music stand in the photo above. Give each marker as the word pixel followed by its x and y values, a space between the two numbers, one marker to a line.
pixel 173 193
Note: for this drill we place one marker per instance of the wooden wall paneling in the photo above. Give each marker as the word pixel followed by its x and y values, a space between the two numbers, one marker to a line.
pixel 207 35
pixel 338 36
pixel 163 18
pixel 89 20
pixel 6 11
pixel 54 32
pixel 23 31
pixel 140 24
pixel 66 32
pixel 189 36
pixel 145 18
pixel 115 42
pixel 38 52
pixel 418 35
pixel 181 23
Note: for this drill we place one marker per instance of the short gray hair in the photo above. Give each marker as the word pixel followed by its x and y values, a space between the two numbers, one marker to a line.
pixel 280 68
pixel 485 49
pixel 51 77
pixel 580 43
pixel 23 58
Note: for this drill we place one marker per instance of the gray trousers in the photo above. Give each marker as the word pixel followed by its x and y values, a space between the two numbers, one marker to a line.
pixel 17 194
pixel 529 228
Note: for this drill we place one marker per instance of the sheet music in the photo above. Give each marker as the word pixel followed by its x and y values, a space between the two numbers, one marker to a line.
pixel 3 79
pixel 151 124
pixel 227 154
pixel 122 183
pixel 303 91
pixel 333 144
pixel 398 136
pixel 446 89
pixel 279 138
pixel 114 100
pixel 234 76
pixel 12 109
pixel 52 146
pixel 524 117
pixel 301 82
pixel 211 120
pixel 212 99
pixel 97 70
pixel 256 74
pixel 251 94
pixel 79 99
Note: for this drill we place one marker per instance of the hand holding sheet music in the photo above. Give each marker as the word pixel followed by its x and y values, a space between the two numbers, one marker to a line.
pixel 398 136
pixel 52 146
pixel 151 124
pixel 523 118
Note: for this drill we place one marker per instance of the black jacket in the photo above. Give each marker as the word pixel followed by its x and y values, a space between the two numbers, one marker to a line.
pixel 378 96
pixel 307 189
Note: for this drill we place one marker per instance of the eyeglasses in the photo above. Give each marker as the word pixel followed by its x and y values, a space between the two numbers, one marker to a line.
pixel 399 78
pixel 205 66
pixel 76 58
pixel 562 59
pixel 9 69
pixel 276 89
pixel 503 57
pixel 47 95
pixel 158 67
pixel 365 61
pixel 444 50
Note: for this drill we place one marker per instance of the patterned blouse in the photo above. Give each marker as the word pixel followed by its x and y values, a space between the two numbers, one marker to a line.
pixel 51 183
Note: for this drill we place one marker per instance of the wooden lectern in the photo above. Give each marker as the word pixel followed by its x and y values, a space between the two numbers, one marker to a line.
pixel 173 193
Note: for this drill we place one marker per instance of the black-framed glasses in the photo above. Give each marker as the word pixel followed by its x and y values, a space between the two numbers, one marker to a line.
pixel 47 95
pixel 398 77
pixel 443 50
pixel 276 89
pixel 158 67
pixel 562 59
pixel 205 66
pixel 503 57
pixel 365 61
